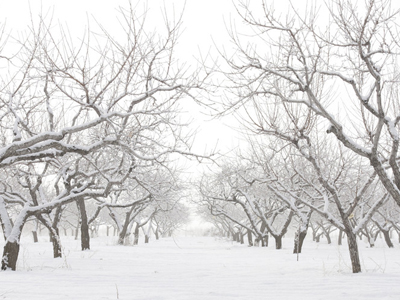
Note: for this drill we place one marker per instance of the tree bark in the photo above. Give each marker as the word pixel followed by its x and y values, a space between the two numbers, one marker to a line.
pixel 122 234
pixel 35 236
pixel 298 241
pixel 340 237
pixel 317 238
pixel 55 239
pixel 85 237
pixel 10 256
pixel 353 250
pixel 386 235
pixel 278 241
pixel 328 237
pixel 34 232
pixel 136 235
pixel 249 237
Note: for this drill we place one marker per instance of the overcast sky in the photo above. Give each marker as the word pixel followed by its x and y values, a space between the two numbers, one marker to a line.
pixel 204 21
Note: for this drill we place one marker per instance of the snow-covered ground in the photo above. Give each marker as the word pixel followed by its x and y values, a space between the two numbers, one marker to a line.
pixel 200 268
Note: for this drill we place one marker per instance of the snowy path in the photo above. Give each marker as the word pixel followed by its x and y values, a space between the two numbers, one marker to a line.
pixel 200 268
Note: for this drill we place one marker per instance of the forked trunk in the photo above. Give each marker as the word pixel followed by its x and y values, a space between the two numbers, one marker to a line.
pixel 328 237
pixel 317 238
pixel 386 235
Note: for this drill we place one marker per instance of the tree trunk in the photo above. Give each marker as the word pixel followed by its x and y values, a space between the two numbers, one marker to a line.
pixel 278 241
pixel 85 237
pixel 317 237
pixel 10 256
pixel 136 235
pixel 123 233
pixel 328 237
pixel 250 237
pixel 146 239
pixel 241 238
pixel 77 231
pixel 298 241
pixel 34 232
pixel 353 250
pixel 386 235
pixel 340 237
pixel 266 239
pixel 55 239
pixel 35 236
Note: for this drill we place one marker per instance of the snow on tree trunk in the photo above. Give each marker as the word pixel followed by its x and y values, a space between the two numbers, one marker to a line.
pixel 10 256
pixel 55 239
pixel 298 241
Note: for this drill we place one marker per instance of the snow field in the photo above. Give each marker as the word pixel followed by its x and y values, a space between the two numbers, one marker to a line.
pixel 200 268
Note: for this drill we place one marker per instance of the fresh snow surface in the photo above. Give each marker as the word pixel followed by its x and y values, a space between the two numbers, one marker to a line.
pixel 188 267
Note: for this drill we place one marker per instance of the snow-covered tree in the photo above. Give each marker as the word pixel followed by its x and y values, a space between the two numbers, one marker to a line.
pixel 289 80
pixel 101 104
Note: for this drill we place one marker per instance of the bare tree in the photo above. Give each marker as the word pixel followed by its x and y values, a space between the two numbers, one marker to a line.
pixel 291 85
pixel 311 63
pixel 82 102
